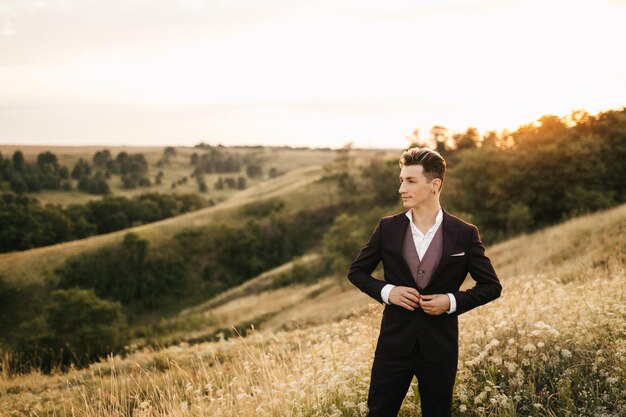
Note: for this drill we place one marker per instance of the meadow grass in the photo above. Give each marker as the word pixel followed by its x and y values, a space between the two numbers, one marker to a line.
pixel 553 345
pixel 545 348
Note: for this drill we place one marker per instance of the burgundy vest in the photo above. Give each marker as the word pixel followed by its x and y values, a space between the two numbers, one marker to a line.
pixel 423 269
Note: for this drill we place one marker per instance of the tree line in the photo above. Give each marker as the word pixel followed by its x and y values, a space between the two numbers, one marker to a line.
pixel 48 174
pixel 25 223
pixel 93 176
pixel 542 173
pixel 105 290
pixel 508 183
pixel 22 176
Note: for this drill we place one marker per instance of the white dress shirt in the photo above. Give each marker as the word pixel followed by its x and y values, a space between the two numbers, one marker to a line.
pixel 422 241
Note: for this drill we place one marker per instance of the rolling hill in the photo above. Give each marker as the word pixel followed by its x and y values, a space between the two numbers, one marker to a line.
pixel 559 325
pixel 35 264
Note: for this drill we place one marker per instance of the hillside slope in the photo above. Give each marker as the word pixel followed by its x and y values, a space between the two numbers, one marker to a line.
pixel 35 264
pixel 576 250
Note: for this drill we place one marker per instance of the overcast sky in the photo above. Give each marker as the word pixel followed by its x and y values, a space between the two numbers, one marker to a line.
pixel 301 73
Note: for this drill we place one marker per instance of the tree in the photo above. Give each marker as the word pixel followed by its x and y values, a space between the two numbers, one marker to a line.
pixel 169 152
pixel 202 187
pixel 17 184
pixel 440 136
pixel 491 138
pixel 273 172
pixel 254 170
pixel 467 140
pixel 9 307
pixel 94 185
pixel 342 242
pixel 76 327
pixel 101 158
pixel 18 161
pixel 5 168
pixel 81 169
pixel 47 158
pixel 382 181
pixel 518 218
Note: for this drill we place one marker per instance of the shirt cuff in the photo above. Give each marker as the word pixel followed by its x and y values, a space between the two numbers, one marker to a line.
pixel 384 293
pixel 452 303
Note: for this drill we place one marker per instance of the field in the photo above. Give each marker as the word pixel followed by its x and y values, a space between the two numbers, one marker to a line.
pixel 300 167
pixel 554 344
pixel 284 159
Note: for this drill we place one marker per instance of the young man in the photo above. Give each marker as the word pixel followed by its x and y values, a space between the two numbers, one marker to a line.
pixel 426 254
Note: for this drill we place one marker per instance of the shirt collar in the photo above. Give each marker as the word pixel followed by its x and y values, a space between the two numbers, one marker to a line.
pixel 433 228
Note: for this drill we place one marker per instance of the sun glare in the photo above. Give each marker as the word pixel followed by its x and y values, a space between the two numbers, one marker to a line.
pixel 364 77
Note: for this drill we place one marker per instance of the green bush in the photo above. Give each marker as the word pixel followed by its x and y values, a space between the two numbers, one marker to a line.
pixel 299 273
pixel 129 273
pixel 76 327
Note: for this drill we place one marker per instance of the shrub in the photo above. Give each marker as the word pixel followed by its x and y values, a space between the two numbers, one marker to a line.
pixel 76 327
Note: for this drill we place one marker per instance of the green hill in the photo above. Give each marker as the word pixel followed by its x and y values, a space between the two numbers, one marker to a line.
pixel 35 264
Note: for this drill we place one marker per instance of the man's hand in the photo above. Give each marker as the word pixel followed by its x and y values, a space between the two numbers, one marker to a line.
pixel 406 297
pixel 435 304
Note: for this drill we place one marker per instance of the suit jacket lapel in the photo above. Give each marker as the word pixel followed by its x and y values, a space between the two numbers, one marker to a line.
pixel 399 234
pixel 450 235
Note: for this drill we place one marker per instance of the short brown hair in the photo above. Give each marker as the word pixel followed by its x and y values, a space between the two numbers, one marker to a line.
pixel 433 163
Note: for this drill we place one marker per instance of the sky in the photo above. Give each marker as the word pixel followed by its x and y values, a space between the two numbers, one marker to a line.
pixel 300 73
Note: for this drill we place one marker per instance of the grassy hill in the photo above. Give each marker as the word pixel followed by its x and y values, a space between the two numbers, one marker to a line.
pixel 300 168
pixel 575 251
pixel 553 344
pixel 283 159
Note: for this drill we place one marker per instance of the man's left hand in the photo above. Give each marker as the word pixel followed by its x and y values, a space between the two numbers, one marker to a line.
pixel 435 304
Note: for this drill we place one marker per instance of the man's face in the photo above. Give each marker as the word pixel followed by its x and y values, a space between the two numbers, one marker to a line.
pixel 415 189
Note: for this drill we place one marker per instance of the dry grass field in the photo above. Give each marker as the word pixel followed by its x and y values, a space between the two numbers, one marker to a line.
pixel 554 344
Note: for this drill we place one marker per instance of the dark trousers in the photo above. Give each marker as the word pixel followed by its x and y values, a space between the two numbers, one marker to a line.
pixel 392 376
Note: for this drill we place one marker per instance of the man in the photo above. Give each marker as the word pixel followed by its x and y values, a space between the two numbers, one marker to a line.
pixel 426 254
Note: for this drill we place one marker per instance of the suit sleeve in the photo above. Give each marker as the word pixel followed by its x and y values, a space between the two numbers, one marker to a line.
pixel 366 261
pixel 487 287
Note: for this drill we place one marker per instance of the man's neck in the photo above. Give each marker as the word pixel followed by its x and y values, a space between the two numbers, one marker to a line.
pixel 425 216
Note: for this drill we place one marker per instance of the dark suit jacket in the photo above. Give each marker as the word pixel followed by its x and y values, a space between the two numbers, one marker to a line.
pixel 401 328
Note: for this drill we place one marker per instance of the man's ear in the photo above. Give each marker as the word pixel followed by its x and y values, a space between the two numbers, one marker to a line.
pixel 438 184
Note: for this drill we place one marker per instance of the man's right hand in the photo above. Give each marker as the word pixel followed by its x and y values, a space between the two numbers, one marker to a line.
pixel 406 297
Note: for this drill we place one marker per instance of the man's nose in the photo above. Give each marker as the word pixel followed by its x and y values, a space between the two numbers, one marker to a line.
pixel 401 189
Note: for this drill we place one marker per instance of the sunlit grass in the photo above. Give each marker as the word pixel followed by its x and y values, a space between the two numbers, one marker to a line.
pixel 544 348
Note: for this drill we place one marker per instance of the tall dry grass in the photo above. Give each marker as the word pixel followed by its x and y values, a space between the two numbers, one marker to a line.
pixel 545 348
